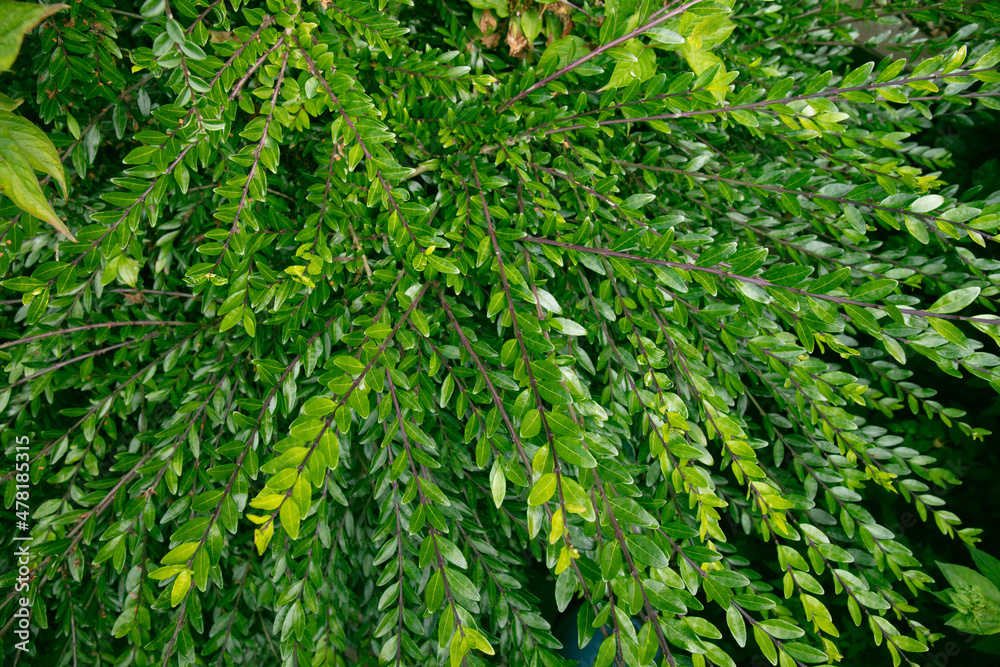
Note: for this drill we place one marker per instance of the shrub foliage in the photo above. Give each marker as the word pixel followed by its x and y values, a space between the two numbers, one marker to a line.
pixel 370 306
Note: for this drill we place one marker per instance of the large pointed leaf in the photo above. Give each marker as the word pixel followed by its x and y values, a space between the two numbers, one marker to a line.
pixel 7 104
pixel 23 149
pixel 16 19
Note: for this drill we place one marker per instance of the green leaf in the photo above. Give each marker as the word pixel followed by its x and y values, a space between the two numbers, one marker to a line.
pixel 283 479
pixel 531 25
pixel 23 284
pixel 7 104
pixel 638 201
pixel 124 623
pixel 646 551
pixel 862 318
pixel 909 644
pixel 531 424
pixel 561 52
pixel 987 564
pixel 640 67
pixel 16 20
pixel 629 511
pixel 290 518
pixel 543 490
pixel 926 203
pixel 734 619
pixel 827 282
pixel 180 554
pixel 498 483
pixel 956 300
pixel 229 320
pixel 574 452
pixel 318 406
pixel 858 76
pixel 349 365
pixel 443 265
pixel 182 584
pixel 664 36
pixel 568 327
pixel 434 594
pixel 874 290
pixel 780 629
pixel 262 537
pixel 804 652
pixel 606 653
pixel 766 645
pixel 141 154
pixel 963 577
pixel 949 331
pixel 23 149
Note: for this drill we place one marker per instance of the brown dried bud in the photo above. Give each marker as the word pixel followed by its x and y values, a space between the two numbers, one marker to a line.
pixel 487 22
pixel 516 41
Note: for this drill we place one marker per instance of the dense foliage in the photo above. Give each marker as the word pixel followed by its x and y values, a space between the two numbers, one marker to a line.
pixel 370 307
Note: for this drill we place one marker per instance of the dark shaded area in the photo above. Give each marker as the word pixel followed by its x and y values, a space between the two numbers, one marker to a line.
pixel 972 136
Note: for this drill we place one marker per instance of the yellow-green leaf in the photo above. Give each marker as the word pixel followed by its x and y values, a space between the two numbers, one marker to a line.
pixel 290 518
pixel 23 149
pixel 181 586
pixel 262 537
